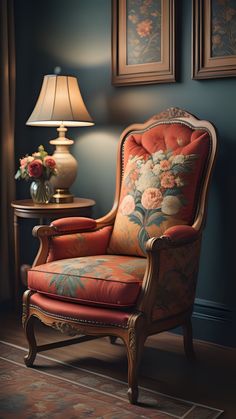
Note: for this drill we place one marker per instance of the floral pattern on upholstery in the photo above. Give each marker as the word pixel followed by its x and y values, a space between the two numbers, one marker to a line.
pixel 80 244
pixel 155 190
pixel 177 280
pixel 104 280
pixel 159 185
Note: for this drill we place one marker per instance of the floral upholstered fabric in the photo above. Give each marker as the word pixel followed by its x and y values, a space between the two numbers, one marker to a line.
pixel 162 174
pixel 104 280
pixel 79 244
pixel 177 280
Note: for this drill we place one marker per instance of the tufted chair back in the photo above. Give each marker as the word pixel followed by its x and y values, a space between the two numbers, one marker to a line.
pixel 161 172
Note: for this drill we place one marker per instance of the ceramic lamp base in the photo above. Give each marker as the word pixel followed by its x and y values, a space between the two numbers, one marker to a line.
pixel 63 196
pixel 66 167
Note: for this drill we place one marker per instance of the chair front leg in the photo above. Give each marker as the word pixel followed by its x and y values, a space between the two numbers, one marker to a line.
pixel 29 332
pixel 28 325
pixel 134 341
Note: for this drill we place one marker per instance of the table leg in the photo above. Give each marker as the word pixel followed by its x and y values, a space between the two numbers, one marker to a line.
pixel 17 260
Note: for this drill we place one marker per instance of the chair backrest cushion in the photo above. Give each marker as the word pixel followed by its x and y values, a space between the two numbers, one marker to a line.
pixel 162 171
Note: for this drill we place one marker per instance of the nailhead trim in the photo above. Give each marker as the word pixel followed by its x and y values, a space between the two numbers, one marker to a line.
pixel 92 322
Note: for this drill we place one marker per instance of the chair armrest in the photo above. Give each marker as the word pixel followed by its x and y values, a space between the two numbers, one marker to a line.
pixel 171 272
pixel 173 236
pixel 73 225
pixel 65 226
pixel 70 237
pixel 181 233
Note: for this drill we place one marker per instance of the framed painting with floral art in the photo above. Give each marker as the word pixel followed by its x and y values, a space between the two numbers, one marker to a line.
pixel 214 39
pixel 143 42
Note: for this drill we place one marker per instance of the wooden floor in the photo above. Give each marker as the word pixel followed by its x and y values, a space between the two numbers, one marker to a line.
pixel 210 380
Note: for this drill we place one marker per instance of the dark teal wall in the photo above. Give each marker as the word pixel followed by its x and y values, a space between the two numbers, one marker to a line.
pixel 76 35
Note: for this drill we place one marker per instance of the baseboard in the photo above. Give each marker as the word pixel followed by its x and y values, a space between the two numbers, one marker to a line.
pixel 213 322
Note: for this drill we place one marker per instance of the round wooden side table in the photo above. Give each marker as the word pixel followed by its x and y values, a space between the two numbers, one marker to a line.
pixel 80 207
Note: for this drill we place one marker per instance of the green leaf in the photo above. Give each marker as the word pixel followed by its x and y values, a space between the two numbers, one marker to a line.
pixel 156 219
pixel 140 209
pixel 153 211
pixel 137 196
pixel 135 219
pixel 169 154
pixel 172 191
pixel 178 168
pixel 18 174
pixel 191 157
pixel 143 236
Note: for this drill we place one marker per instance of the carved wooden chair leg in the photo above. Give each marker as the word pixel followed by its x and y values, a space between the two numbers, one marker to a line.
pixel 134 345
pixel 29 331
pixel 188 340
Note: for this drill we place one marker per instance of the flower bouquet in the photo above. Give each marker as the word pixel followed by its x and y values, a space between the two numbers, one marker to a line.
pixel 39 167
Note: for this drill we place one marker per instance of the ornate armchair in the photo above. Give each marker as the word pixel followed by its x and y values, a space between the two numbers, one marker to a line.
pixel 133 272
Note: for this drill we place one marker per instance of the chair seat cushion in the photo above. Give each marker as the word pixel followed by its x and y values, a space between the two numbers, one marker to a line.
pixel 105 280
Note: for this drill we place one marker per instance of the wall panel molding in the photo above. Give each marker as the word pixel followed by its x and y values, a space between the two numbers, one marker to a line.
pixel 214 322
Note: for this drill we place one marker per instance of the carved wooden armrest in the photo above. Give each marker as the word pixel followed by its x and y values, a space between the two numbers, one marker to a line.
pixel 63 226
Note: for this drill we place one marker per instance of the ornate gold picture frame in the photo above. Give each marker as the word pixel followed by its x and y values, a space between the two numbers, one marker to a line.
pixel 143 42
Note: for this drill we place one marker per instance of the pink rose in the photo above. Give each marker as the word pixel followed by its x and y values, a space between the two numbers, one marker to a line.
pixel 127 206
pixel 167 180
pixel 25 161
pixel 165 164
pixel 151 198
pixel 49 162
pixel 35 168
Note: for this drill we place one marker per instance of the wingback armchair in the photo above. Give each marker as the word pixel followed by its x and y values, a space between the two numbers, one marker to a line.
pixel 133 272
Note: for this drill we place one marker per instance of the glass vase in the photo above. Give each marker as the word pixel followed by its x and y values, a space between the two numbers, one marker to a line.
pixel 41 191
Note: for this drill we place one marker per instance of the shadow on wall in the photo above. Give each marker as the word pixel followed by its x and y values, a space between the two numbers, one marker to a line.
pixel 218 254
pixel 95 150
pixel 132 106
pixel 225 181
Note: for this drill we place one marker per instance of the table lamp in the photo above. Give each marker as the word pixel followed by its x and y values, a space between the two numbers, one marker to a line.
pixel 60 104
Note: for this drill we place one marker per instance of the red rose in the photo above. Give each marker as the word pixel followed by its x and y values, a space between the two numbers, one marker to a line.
pixel 35 168
pixel 49 162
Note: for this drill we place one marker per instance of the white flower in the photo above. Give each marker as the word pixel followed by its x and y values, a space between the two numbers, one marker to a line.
pixel 170 205
pixel 158 155
pixel 156 169
pixel 132 160
pixel 179 159
pixel 146 167
pixel 145 181
pixel 127 206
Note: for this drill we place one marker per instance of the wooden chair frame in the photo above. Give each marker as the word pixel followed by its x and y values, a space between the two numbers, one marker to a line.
pixel 140 324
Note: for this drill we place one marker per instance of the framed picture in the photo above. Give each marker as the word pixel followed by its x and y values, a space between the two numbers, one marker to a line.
pixel 214 39
pixel 143 42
